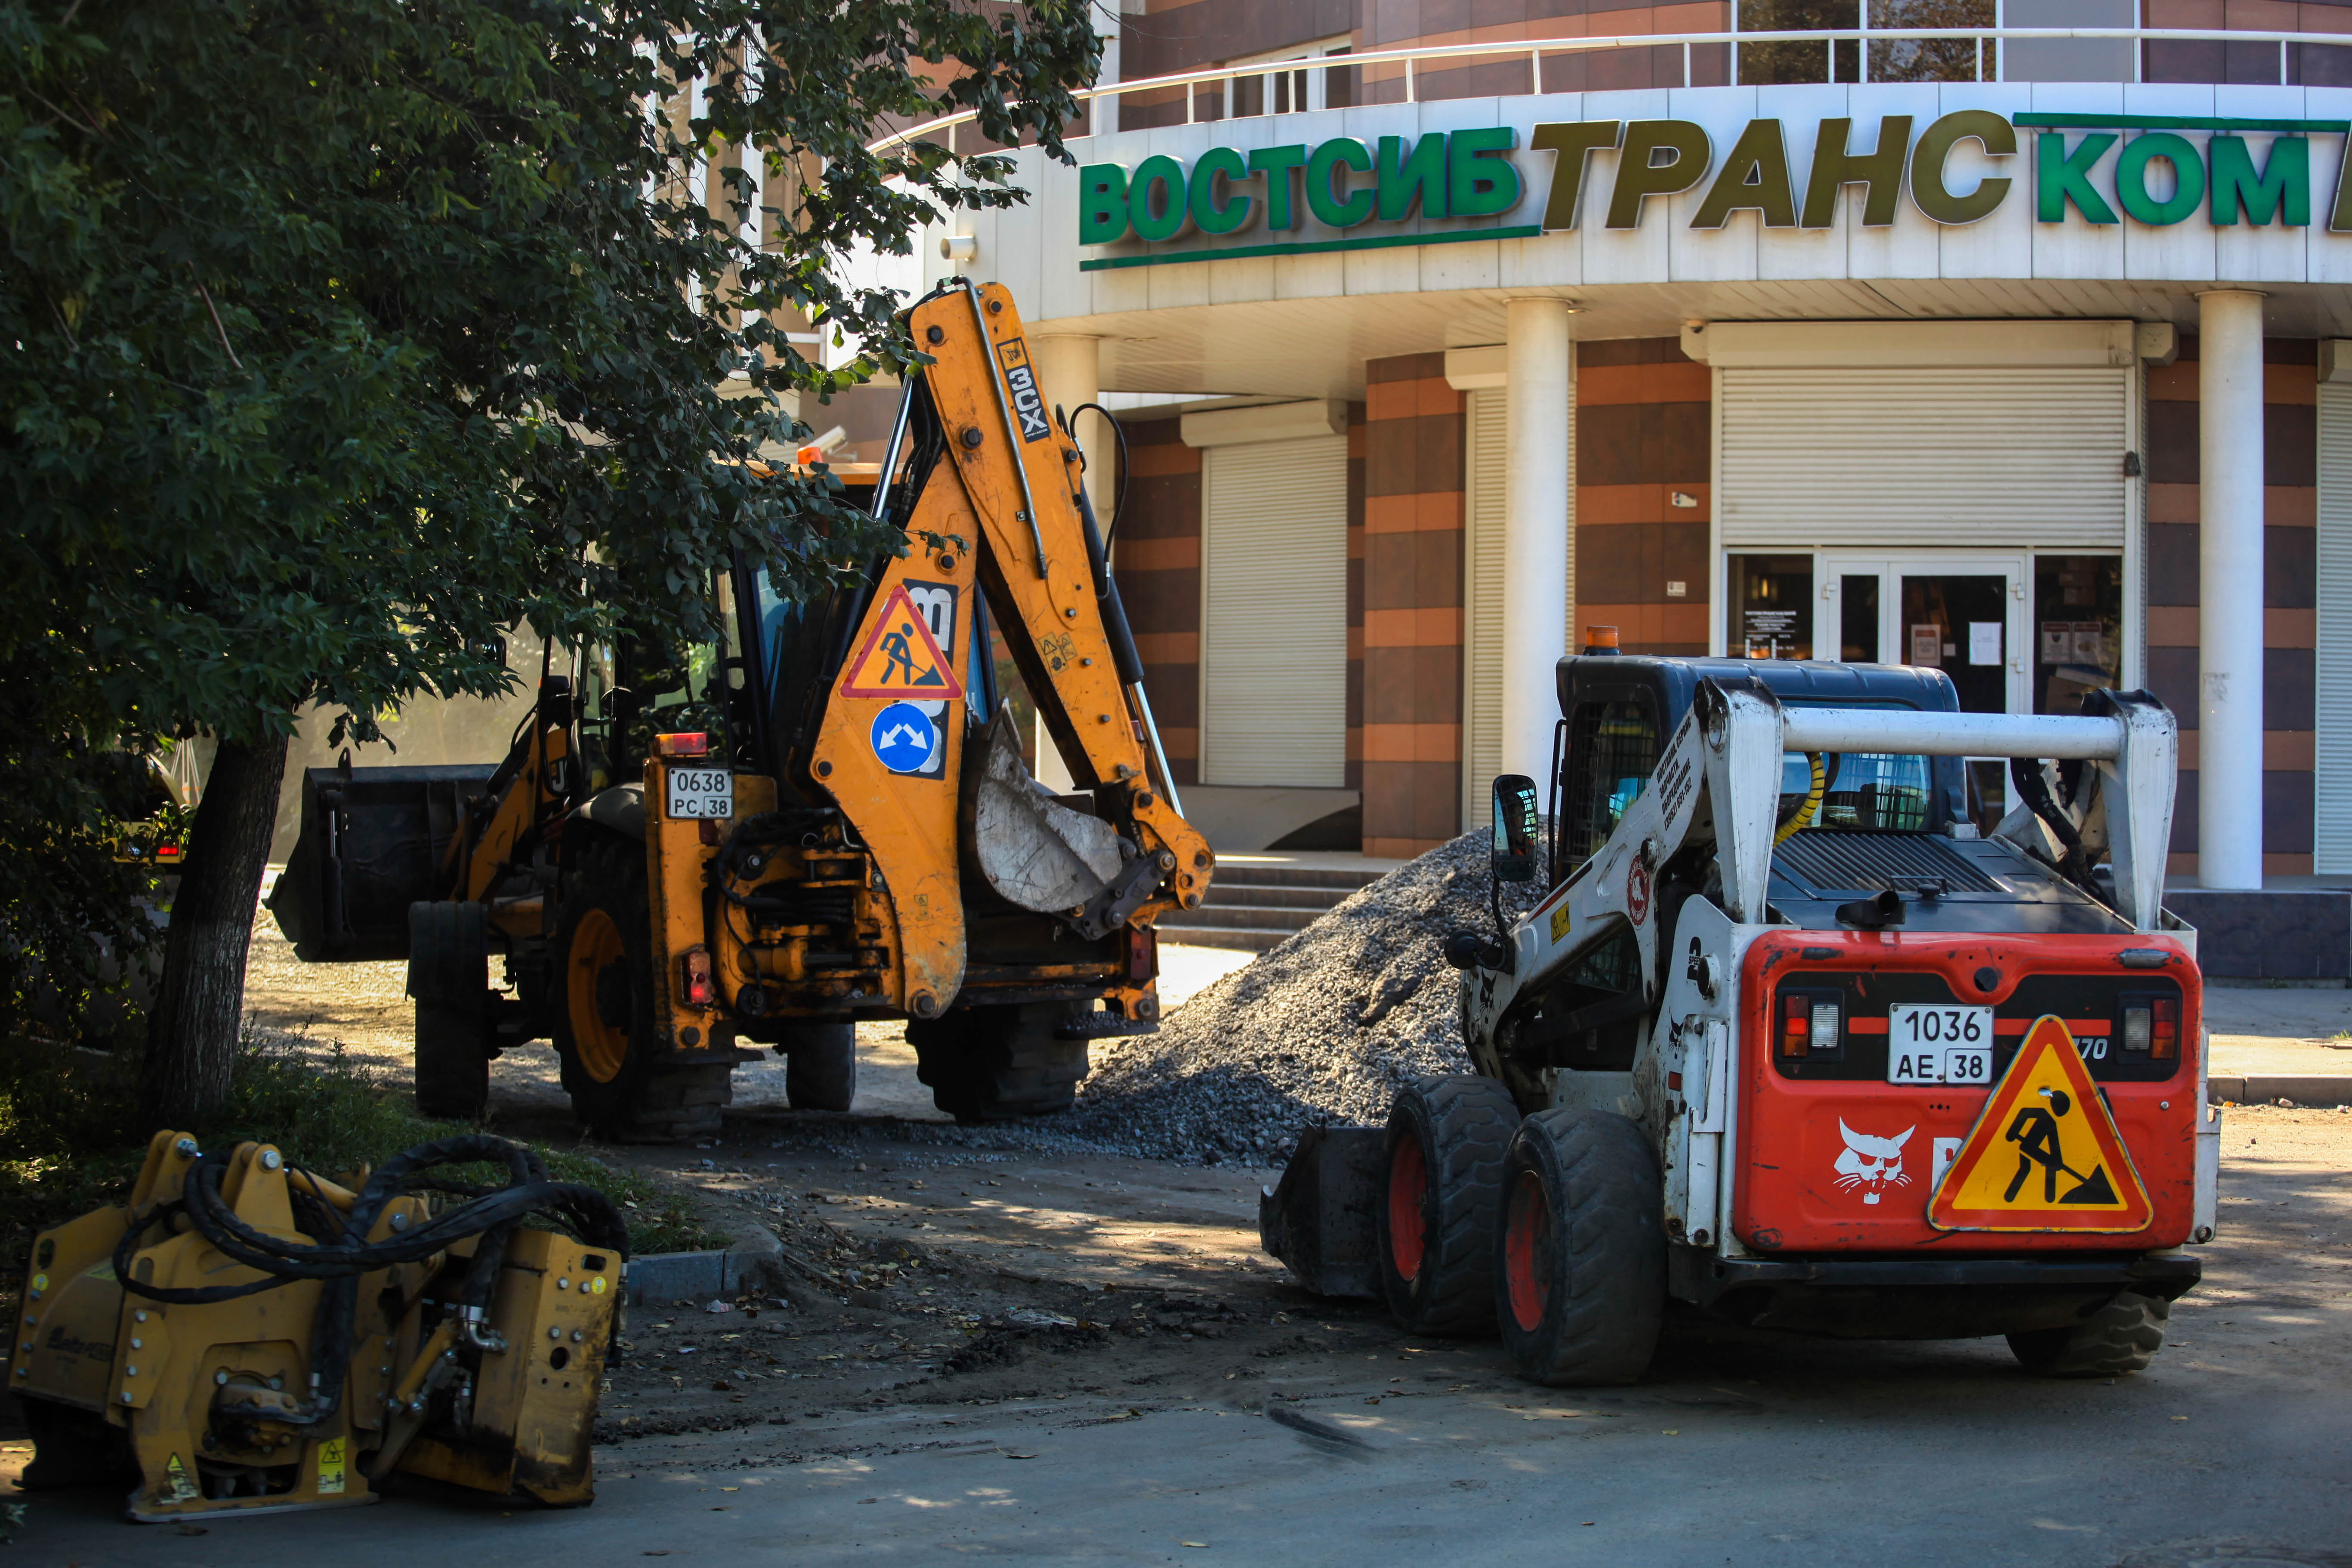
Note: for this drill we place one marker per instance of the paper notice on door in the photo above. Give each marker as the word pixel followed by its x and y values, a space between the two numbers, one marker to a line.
pixel 1984 642
pixel 2057 641
pixel 1927 644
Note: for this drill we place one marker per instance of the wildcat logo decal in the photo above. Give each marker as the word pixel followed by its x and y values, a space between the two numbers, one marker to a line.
pixel 1871 1164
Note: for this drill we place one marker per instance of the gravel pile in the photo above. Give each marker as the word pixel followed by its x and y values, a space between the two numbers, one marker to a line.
pixel 1321 1030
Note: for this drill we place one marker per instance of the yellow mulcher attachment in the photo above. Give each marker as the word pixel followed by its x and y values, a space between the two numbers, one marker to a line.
pixel 245 1336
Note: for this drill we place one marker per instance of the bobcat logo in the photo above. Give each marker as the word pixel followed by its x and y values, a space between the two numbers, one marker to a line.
pixel 1872 1164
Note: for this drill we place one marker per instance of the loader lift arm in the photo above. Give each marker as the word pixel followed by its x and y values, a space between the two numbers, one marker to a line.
pixel 1715 787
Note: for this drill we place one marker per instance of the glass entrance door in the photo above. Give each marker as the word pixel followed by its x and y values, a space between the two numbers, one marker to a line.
pixel 1965 615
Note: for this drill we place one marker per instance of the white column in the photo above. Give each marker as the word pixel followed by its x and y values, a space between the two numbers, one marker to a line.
pixel 1535 530
pixel 2229 589
pixel 1103 113
pixel 1070 370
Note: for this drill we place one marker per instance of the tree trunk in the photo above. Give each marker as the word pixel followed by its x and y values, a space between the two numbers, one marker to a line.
pixel 191 1034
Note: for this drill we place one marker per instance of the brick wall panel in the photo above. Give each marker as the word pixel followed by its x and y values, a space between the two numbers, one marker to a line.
pixel 2172 567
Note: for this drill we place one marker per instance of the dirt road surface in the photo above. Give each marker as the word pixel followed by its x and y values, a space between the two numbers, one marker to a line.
pixel 991 1352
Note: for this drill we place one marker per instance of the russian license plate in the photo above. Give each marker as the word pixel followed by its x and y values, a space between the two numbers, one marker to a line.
pixel 1938 1044
pixel 701 792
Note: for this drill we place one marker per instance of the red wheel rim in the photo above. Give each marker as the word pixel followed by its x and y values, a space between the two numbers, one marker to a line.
pixel 1408 1185
pixel 1526 1252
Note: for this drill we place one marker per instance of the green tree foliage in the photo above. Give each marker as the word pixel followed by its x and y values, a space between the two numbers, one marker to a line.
pixel 336 335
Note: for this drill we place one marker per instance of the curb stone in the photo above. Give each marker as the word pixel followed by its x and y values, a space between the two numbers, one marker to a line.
pixel 2303 1089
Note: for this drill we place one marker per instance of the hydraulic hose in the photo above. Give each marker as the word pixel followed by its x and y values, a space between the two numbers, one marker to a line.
pixel 492 1214
pixel 1812 803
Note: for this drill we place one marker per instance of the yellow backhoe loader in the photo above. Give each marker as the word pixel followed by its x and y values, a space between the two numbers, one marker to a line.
pixel 690 851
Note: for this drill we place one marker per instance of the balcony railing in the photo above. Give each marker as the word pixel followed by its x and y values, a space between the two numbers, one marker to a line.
pixel 1970 61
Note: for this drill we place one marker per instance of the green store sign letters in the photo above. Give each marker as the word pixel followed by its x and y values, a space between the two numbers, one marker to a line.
pixel 1229 196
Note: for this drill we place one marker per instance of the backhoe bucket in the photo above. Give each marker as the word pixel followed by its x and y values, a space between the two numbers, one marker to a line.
pixel 1321 1219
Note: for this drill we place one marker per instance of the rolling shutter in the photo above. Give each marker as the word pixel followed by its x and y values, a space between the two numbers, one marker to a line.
pixel 2332 745
pixel 1274 635
pixel 1878 458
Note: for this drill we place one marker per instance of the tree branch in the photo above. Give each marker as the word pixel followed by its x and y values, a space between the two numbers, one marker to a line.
pixel 205 295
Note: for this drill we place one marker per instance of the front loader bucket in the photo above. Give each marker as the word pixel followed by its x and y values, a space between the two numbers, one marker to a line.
pixel 1320 1218
pixel 372 844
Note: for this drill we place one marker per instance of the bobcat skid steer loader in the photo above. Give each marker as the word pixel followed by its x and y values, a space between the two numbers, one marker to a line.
pixel 1787 1042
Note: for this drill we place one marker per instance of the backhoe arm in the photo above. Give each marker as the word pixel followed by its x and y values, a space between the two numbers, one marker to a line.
pixel 1022 474
pixel 998 514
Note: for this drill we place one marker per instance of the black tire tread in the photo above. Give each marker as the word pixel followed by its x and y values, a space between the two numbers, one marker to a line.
pixel 647 1101
pixel 819 1066
pixel 449 974
pixel 1468 1121
pixel 995 1063
pixel 2121 1337
pixel 1608 1300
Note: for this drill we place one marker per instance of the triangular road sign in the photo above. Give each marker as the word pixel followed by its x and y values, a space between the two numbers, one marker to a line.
pixel 2044 1155
pixel 900 658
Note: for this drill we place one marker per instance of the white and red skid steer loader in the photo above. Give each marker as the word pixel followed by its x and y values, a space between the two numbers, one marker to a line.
pixel 1788 1040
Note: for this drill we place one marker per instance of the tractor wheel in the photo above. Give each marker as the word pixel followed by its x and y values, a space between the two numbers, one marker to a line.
pixel 1446 1139
pixel 74 1447
pixel 996 1063
pixel 605 1033
pixel 820 1064
pixel 449 974
pixel 2121 1336
pixel 1579 1251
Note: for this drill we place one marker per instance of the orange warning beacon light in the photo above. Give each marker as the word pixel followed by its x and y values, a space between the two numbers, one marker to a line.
pixel 2044 1155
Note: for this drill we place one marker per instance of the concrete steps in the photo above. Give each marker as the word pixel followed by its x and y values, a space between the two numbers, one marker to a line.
pixel 1253 907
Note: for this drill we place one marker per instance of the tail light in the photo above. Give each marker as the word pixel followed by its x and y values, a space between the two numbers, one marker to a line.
pixel 1142 954
pixel 1813 1023
pixel 2152 1025
pixel 693 743
pixel 701 990
pixel 1796 1022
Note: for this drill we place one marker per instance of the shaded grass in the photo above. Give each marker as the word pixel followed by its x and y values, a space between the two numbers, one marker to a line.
pixel 70 1140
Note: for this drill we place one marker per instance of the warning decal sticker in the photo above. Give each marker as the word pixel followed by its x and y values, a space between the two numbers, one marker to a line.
pixel 177 1487
pixel 330 1466
pixel 2044 1156
pixel 901 658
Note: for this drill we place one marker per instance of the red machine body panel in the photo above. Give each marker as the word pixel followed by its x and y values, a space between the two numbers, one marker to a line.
pixel 1835 1158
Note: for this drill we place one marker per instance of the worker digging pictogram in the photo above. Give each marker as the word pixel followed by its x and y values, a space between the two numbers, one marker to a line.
pixel 2044 1155
pixel 901 658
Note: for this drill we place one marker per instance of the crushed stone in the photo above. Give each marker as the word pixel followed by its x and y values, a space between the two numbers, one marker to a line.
pixel 1321 1030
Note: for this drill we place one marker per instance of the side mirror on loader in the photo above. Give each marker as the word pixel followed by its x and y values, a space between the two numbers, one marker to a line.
pixel 1515 828
pixel 1512 860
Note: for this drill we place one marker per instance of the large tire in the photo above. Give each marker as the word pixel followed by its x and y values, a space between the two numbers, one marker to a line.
pixel 1580 1250
pixel 74 1447
pixel 1446 1139
pixel 2120 1337
pixel 996 1063
pixel 820 1064
pixel 449 976
pixel 605 1033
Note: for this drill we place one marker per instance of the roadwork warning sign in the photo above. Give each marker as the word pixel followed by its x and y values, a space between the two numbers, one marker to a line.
pixel 901 658
pixel 2044 1156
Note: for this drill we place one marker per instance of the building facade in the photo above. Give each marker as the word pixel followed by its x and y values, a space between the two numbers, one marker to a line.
pixel 2018 356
